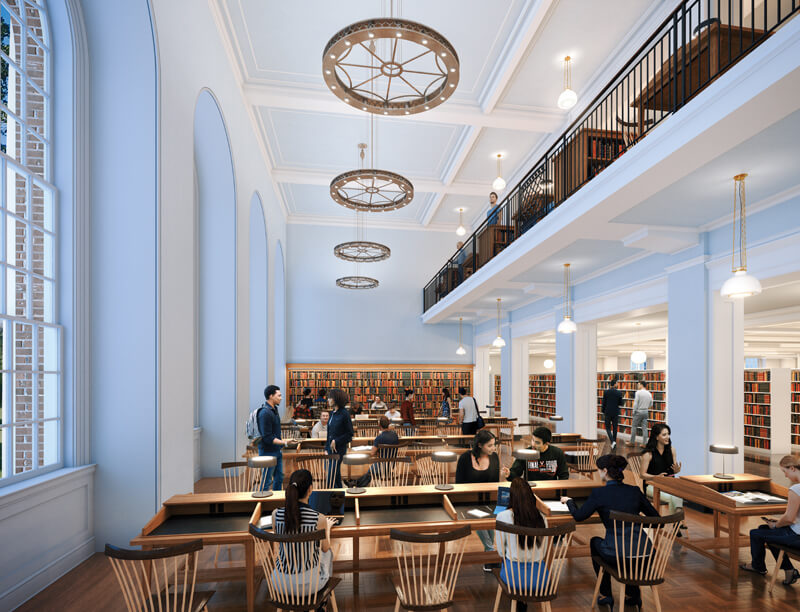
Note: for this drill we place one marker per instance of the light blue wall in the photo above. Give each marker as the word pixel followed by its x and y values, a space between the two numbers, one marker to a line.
pixel 332 325
pixel 259 315
pixel 124 275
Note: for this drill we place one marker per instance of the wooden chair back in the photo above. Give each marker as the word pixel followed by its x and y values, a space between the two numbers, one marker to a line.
pixel 162 579
pixel 635 464
pixel 448 430
pixel 391 472
pixel 368 429
pixel 290 431
pixel 428 429
pixel 239 478
pixel 293 568
pixel 430 472
pixel 642 545
pixel 533 568
pixel 428 567
pixel 586 459
pixel 322 468
pixel 504 454
pixel 393 450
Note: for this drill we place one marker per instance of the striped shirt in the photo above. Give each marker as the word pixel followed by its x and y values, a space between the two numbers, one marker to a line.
pixel 289 554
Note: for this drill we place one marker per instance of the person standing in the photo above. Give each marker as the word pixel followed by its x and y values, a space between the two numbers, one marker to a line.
pixel 320 429
pixel 612 400
pixel 467 413
pixel 623 498
pixel 340 431
pixel 407 412
pixel 447 405
pixel 494 209
pixel 642 402
pixel 481 464
pixel 269 425
pixel 551 464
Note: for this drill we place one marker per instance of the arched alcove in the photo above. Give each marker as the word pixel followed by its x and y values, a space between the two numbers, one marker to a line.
pixel 279 309
pixel 216 287
pixel 259 308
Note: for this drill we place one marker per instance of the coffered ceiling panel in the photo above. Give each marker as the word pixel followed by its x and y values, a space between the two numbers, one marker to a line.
pixel 282 42
pixel 586 31
pixel 482 162
pixel 323 142
pixel 447 212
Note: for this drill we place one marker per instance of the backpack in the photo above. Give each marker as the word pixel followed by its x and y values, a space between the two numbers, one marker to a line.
pixel 253 431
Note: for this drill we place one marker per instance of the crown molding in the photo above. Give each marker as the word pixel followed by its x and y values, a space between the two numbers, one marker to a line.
pixel 374 223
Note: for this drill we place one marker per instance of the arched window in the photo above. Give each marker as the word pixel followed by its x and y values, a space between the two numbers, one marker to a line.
pixel 30 339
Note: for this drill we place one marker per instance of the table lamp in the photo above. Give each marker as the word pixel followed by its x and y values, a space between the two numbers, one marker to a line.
pixel 356 459
pixel 724 449
pixel 554 419
pixel 526 454
pixel 262 463
pixel 444 457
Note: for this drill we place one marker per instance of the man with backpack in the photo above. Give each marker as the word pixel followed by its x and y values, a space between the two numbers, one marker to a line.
pixel 268 435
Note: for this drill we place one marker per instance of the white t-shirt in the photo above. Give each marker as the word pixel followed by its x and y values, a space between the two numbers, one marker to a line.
pixel 511 540
pixel 319 430
pixel 392 415
pixel 642 400
pixel 378 406
pixel 795 488
pixel 468 406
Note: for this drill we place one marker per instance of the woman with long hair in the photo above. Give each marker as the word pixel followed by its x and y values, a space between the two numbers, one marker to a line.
pixel 447 405
pixel 340 431
pixel 296 516
pixel 481 464
pixel 523 513
pixel 785 530
pixel 613 496
pixel 660 459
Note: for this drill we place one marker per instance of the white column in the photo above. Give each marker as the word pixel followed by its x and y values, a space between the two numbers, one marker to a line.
pixel 520 371
pixel 585 380
pixel 565 376
pixel 480 376
pixel 726 379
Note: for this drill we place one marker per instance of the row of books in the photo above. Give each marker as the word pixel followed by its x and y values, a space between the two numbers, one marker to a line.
pixel 756 420
pixel 762 375
pixel 756 398
pixel 605 147
pixel 541 395
pixel 498 390
pixel 369 374
pixel 795 407
pixel 759 387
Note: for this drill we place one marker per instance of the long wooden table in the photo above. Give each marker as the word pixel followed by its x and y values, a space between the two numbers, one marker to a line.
pixel 707 491
pixel 224 518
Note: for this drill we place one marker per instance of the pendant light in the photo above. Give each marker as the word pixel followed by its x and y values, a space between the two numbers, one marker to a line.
pixel 499 183
pixel 548 363
pixel 567 325
pixel 498 342
pixel 741 284
pixel 568 98
pixel 460 350
pixel 461 230
pixel 638 356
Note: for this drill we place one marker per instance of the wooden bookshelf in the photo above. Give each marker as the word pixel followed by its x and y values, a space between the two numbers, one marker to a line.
pixel 541 395
pixel 362 382
pixel 498 389
pixel 626 382
pixel 795 405
pixel 757 402
pixel 583 156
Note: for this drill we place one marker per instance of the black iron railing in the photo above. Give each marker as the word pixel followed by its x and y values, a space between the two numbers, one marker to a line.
pixel 698 42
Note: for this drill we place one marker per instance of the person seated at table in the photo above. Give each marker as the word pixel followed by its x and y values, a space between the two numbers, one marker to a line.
pixel 523 513
pixel 385 436
pixel 393 413
pixel 660 459
pixel 481 464
pixel 613 496
pixel 551 465
pixel 785 530
pixel 296 516
pixel 320 429
pixel 303 408
pixel 378 404
pixel 356 408
pixel 494 209
pixel 340 431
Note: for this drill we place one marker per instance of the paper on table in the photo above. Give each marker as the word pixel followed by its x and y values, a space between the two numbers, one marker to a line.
pixel 478 513
pixel 265 522
pixel 556 506
pixel 361 449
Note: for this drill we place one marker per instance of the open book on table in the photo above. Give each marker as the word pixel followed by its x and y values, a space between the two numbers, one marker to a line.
pixel 754 497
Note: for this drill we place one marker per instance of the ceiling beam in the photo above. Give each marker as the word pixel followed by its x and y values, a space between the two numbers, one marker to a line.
pixel 320 100
pixel 299 176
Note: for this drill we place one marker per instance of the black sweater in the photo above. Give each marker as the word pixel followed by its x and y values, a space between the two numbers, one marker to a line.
pixel 466 473
pixel 551 465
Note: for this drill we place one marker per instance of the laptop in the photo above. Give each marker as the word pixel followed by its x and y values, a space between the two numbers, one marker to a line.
pixel 503 499
pixel 329 503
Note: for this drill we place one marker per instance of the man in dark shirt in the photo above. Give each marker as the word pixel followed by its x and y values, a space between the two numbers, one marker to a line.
pixel 612 400
pixel 551 465
pixel 269 425
pixel 385 436
pixel 407 412
pixel 303 408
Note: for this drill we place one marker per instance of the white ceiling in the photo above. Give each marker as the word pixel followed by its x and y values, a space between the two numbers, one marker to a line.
pixel 510 78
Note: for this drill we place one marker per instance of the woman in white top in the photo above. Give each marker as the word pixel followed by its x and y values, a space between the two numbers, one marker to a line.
pixel 467 413
pixel 785 530
pixel 523 513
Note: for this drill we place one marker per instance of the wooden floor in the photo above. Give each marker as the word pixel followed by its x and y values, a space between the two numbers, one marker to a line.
pixel 694 583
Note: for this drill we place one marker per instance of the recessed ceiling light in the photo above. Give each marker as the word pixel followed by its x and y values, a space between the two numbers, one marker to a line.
pixel 407 112
pixel 452 69
pixel 427 108
pixel 347 42
pixel 347 99
pixel 333 86
pixel 327 72
pixel 424 41
pixel 452 85
pixel 371 35
pixel 333 56
pixel 385 112
pixel 441 98
pixel 363 108
pixel 399 35
pixel 443 54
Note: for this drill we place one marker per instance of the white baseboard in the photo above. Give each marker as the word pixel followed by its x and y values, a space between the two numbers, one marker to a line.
pixel 22 592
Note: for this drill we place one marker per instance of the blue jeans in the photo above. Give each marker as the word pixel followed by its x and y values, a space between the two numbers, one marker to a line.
pixel 274 475
pixel 523 576
pixel 764 536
